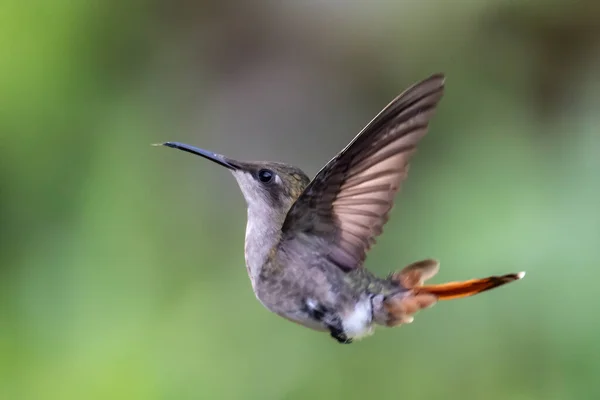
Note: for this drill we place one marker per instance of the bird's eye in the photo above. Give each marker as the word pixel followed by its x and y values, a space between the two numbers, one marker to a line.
pixel 265 176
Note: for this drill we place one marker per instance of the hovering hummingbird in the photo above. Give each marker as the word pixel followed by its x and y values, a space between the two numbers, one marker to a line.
pixel 306 241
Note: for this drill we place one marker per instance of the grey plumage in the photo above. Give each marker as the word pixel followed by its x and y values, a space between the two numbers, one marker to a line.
pixel 306 241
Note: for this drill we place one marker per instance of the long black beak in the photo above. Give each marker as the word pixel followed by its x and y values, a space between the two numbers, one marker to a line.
pixel 218 158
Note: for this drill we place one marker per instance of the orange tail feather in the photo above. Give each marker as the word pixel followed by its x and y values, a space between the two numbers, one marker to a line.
pixel 400 309
pixel 457 290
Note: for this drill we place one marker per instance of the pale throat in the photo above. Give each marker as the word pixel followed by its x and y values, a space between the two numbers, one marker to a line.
pixel 263 231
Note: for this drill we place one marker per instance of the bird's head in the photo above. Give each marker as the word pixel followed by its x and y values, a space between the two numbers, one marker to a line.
pixel 268 187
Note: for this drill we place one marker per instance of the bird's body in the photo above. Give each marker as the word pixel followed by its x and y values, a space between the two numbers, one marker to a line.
pixel 318 295
pixel 292 283
pixel 306 241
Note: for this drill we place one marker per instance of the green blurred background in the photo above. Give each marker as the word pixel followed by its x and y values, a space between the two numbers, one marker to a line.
pixel 121 265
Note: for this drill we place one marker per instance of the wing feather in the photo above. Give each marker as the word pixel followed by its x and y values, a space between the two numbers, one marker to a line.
pixel 348 202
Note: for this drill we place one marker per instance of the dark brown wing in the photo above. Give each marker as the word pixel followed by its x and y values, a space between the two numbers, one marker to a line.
pixel 346 205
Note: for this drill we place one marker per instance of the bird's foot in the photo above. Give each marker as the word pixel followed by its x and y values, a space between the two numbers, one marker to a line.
pixel 332 321
pixel 340 336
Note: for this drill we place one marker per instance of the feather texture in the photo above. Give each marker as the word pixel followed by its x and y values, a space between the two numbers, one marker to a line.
pixel 348 202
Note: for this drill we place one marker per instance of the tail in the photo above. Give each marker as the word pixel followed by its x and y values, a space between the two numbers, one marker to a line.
pixel 457 290
pixel 401 308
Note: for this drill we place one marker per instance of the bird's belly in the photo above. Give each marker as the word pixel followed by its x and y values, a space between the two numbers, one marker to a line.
pixel 355 323
pixel 317 298
pixel 304 320
pixel 355 320
pixel 290 306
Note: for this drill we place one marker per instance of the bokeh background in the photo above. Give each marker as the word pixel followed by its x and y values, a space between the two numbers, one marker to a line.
pixel 121 265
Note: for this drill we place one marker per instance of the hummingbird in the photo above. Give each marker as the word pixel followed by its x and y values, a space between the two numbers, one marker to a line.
pixel 307 240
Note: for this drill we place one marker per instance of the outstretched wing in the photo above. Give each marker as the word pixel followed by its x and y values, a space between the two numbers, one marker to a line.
pixel 346 205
